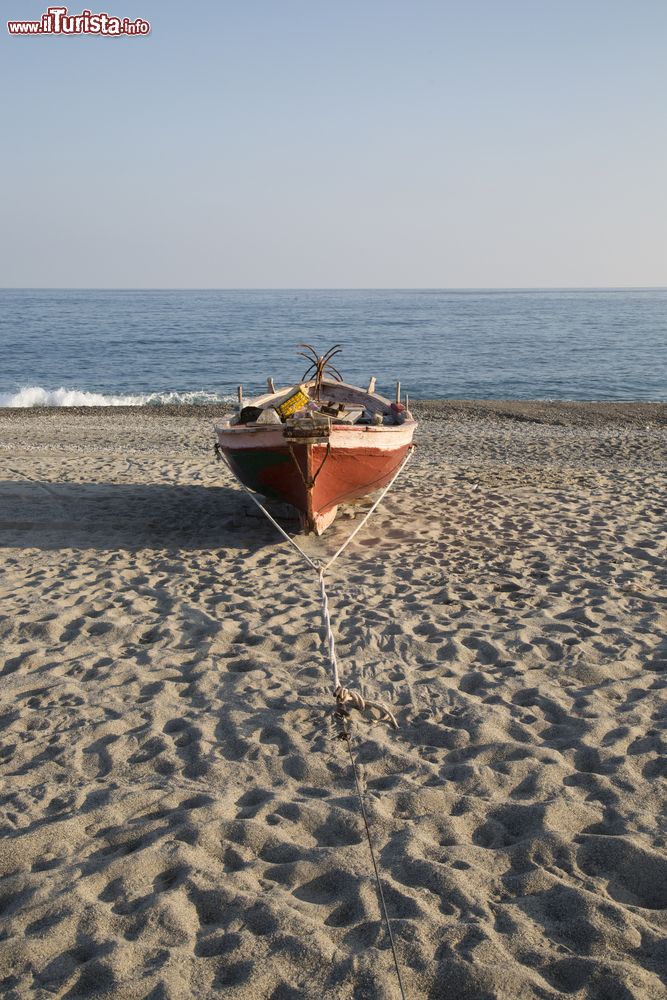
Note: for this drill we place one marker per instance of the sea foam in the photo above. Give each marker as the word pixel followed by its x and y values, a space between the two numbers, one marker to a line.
pixel 36 395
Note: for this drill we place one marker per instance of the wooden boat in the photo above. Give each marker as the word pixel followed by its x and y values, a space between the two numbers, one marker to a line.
pixel 318 443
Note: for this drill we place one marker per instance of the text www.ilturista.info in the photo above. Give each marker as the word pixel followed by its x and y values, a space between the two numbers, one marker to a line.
pixel 56 21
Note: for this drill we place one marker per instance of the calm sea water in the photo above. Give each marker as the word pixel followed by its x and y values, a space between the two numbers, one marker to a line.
pixel 73 347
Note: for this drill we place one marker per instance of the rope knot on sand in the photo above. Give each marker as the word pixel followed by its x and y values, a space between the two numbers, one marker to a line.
pixel 345 696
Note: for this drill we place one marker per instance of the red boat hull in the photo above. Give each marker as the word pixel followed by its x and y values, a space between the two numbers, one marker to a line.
pixel 316 477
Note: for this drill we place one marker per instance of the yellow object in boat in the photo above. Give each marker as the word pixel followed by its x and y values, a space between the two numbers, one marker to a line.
pixel 295 402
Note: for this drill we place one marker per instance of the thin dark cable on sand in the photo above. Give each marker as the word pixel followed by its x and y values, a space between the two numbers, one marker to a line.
pixel 346 735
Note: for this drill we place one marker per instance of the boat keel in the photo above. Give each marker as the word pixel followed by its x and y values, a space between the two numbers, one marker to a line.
pixel 317 523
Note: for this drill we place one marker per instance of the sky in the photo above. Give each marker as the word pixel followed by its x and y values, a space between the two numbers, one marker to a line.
pixel 338 144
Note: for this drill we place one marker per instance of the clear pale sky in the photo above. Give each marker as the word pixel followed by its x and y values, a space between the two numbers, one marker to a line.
pixel 338 143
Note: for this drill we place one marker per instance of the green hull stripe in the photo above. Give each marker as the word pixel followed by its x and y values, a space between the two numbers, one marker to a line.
pixel 253 463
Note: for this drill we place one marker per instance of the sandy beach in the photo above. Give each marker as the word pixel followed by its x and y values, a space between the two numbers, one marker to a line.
pixel 177 816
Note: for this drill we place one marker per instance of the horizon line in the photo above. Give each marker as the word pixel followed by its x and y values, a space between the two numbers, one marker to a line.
pixel 333 288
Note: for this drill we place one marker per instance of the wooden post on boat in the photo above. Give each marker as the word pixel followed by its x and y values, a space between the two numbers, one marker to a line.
pixel 269 384
pixel 398 392
pixel 371 384
pixel 240 392
pixel 407 402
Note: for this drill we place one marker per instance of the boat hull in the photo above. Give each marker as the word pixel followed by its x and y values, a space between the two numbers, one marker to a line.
pixel 316 476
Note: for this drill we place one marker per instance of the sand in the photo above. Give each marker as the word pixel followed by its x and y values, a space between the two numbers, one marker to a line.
pixel 177 817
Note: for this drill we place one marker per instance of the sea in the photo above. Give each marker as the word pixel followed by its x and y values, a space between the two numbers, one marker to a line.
pixel 147 348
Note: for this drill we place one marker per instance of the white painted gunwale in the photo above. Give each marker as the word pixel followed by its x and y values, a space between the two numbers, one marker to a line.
pixel 335 391
pixel 342 436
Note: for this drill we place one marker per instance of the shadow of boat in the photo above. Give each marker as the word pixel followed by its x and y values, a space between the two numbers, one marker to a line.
pixel 111 516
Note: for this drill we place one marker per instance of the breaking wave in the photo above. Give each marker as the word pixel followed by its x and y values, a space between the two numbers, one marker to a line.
pixel 35 395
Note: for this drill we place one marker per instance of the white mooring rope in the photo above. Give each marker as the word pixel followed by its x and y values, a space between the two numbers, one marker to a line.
pixel 344 696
